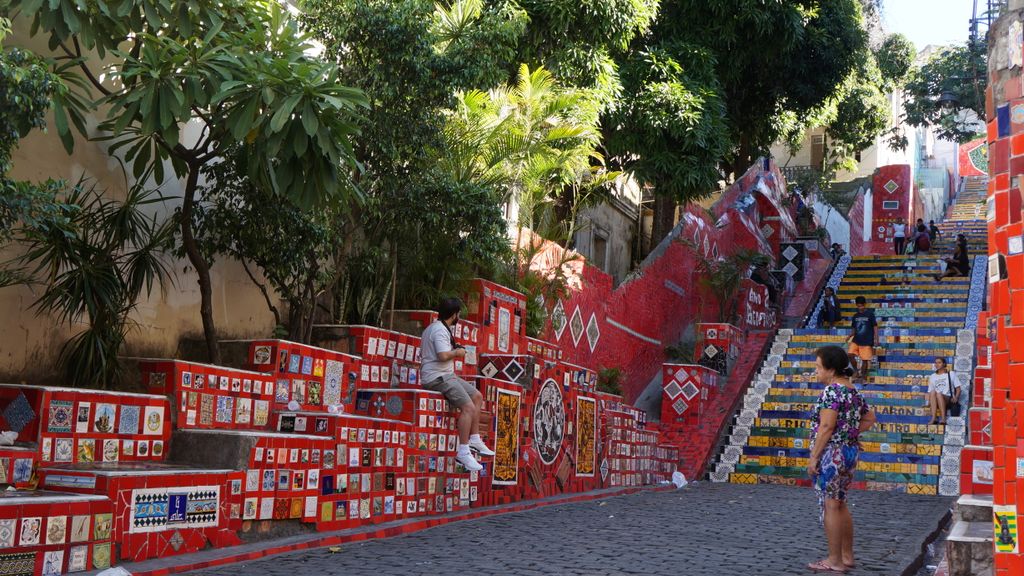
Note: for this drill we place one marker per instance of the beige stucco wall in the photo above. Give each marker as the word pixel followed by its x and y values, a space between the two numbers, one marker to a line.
pixel 30 344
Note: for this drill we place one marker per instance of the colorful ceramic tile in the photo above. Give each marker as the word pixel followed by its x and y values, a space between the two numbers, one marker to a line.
pixel 60 416
pixel 103 420
pixel 158 448
pixel 249 509
pixel 153 421
pixel 78 559
pixel 80 528
pixel 225 409
pixel 586 434
pixel 262 355
pixel 101 556
pixel 128 447
pixel 129 423
pixel 46 450
pixel 506 443
pixel 101 527
pixel 111 450
pixel 86 450
pixel 22 470
pixel 30 528
pixel 261 411
pixel 82 417
pixel 21 564
pixel 206 404
pixel 7 529
pixel 56 529
pixel 18 413
pixel 63 450
pixel 53 563
pixel 244 411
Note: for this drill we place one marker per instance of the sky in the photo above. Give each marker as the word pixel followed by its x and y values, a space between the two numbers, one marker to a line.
pixel 930 21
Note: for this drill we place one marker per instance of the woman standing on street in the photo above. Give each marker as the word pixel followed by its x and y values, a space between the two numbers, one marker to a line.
pixel 840 417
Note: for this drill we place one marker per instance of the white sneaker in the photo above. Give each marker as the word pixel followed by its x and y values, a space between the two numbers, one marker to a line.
pixel 481 448
pixel 468 462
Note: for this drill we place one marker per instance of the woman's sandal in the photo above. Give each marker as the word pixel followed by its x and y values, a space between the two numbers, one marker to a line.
pixel 824 566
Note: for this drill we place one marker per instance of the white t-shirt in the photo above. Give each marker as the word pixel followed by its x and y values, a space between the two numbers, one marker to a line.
pixel 899 230
pixel 940 383
pixel 435 340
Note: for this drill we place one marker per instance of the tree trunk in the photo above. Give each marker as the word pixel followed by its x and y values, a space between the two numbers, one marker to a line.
pixel 200 264
pixel 664 219
pixel 744 158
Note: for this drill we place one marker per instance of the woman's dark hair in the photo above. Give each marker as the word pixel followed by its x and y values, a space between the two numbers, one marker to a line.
pixel 943 360
pixel 448 307
pixel 834 358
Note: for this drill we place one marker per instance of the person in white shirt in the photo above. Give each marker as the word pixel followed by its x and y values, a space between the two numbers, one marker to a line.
pixel 943 390
pixel 438 352
pixel 899 236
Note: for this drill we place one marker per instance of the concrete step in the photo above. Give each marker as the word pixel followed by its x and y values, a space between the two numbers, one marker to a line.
pixel 969 549
pixel 974 508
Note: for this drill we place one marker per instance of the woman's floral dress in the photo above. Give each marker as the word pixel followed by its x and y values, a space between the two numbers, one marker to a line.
pixel 839 459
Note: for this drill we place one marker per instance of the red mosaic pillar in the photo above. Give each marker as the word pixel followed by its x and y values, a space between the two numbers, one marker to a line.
pixel 1005 132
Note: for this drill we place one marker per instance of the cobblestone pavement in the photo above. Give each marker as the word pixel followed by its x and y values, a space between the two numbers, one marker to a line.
pixel 704 529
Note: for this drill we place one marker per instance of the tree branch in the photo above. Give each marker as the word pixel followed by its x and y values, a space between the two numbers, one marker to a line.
pixel 77 54
pixel 266 294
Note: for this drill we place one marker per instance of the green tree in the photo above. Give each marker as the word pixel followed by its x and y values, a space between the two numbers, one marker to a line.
pixel 576 40
pixel 411 58
pixel 285 250
pixel 771 58
pixel 957 73
pixel 95 259
pixel 669 128
pixel 239 68
pixel 895 59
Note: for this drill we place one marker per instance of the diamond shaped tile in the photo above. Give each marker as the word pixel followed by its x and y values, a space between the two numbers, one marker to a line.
pixel 689 391
pixel 789 253
pixel 576 326
pixel 711 351
pixel 489 370
pixel 673 390
pixel 558 321
pixel 680 406
pixel 891 186
pixel 176 541
pixel 682 375
pixel 593 332
pixel 790 269
pixel 513 370
pixel 767 230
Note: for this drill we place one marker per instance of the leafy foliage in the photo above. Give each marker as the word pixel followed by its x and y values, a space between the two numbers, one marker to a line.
pixel 720 279
pixel 895 59
pixel 241 68
pixel 669 129
pixel 959 71
pixel 293 249
pixel 95 261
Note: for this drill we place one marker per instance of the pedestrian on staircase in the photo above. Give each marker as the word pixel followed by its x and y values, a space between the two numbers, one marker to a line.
pixel 863 336
pixel 899 236
pixel 840 417
pixel 933 231
pixel 922 241
pixel 943 391
pixel 959 264
pixel 830 310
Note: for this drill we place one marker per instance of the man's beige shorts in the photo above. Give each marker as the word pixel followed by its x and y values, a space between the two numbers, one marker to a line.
pixel 456 390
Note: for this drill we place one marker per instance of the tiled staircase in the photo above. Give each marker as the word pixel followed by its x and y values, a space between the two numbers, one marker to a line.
pixel 919 320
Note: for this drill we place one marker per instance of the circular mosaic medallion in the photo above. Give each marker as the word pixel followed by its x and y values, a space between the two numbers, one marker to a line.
pixel 394 406
pixel 549 421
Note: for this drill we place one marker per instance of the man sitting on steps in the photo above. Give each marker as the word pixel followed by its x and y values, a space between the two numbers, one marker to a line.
pixel 437 373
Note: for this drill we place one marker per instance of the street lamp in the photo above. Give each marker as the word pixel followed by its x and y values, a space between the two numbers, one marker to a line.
pixel 948 100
